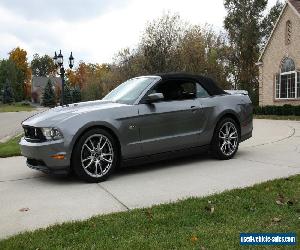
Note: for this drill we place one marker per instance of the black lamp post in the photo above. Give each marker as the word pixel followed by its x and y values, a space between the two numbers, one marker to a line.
pixel 59 63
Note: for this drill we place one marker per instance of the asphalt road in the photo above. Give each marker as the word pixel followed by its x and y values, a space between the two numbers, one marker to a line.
pixel 30 200
pixel 10 123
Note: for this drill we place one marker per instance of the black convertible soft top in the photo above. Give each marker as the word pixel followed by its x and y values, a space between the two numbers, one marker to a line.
pixel 210 86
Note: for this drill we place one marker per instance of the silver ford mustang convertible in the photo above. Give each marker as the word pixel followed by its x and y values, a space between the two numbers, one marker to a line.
pixel 147 117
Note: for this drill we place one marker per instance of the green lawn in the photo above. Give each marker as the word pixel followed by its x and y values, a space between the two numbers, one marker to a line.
pixel 278 117
pixel 16 107
pixel 212 222
pixel 10 148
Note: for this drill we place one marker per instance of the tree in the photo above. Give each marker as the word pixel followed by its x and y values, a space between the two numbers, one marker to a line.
pixel 269 21
pixel 42 65
pixel 129 63
pixel 169 44
pixel 160 42
pixel 91 81
pixel 243 26
pixel 67 94
pixel 80 75
pixel 203 51
pixel 19 57
pixel 49 95
pixel 9 72
pixel 7 93
pixel 71 76
pixel 76 94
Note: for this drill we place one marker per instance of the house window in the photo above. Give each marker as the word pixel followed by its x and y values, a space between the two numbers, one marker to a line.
pixel 287 83
pixel 288 32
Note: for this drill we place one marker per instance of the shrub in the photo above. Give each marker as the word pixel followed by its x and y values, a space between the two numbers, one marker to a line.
pixel 93 91
pixel 76 94
pixel 8 96
pixel 284 110
pixel 268 110
pixel 67 94
pixel 25 103
pixel 278 110
pixel 297 110
pixel 257 110
pixel 287 109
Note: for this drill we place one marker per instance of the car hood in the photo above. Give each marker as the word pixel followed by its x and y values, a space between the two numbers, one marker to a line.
pixel 59 114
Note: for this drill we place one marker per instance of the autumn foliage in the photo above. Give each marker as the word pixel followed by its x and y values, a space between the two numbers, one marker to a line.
pixel 19 57
pixel 168 44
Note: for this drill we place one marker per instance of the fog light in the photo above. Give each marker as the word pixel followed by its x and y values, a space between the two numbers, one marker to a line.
pixel 58 157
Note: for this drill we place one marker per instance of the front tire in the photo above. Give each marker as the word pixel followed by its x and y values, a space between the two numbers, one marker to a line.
pixel 226 139
pixel 95 155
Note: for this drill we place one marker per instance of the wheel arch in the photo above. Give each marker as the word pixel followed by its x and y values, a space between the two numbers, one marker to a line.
pixel 229 114
pixel 105 127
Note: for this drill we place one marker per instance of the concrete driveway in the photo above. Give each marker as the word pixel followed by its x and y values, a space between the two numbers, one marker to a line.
pixel 273 152
pixel 10 122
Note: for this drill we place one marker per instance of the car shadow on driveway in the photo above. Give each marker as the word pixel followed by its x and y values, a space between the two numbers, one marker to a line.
pixel 164 164
pixel 155 165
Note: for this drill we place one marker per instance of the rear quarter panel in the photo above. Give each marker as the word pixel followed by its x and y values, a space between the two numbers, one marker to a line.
pixel 216 107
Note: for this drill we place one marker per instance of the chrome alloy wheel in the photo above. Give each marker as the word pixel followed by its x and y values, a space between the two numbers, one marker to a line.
pixel 228 138
pixel 97 155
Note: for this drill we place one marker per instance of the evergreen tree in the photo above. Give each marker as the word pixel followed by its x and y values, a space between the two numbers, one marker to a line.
pixel 9 72
pixel 7 93
pixel 76 94
pixel 49 95
pixel 67 94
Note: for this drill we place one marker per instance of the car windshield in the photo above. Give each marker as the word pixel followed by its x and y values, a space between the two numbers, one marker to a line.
pixel 129 91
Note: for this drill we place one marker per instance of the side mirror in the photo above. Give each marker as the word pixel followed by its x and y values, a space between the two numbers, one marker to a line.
pixel 154 97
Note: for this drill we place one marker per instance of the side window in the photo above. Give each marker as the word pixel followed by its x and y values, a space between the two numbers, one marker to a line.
pixel 189 90
pixel 176 90
pixel 201 92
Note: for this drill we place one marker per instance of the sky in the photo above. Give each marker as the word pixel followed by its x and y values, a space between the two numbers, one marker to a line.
pixel 95 30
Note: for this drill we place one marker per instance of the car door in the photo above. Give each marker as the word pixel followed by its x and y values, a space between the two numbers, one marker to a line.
pixel 207 104
pixel 171 124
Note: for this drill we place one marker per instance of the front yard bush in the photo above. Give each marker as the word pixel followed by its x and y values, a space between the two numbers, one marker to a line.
pixel 288 110
pixel 285 110
pixel 297 110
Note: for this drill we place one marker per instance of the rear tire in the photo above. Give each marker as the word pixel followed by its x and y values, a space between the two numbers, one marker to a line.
pixel 95 155
pixel 226 139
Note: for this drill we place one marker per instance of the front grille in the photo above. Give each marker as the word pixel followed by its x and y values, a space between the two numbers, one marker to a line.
pixel 33 134
pixel 35 163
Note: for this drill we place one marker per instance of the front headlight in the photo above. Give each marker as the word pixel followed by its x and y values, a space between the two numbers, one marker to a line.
pixel 52 133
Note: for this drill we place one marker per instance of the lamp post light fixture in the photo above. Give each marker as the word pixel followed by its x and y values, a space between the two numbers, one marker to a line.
pixel 59 63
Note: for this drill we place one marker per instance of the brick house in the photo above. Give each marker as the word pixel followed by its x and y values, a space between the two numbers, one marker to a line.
pixel 279 62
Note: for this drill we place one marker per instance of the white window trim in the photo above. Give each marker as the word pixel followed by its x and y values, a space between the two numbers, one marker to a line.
pixel 296 90
pixel 279 91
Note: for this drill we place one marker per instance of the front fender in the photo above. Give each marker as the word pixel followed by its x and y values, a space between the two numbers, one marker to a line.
pixel 90 125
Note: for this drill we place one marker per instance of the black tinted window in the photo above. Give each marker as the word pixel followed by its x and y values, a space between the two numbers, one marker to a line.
pixel 176 90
